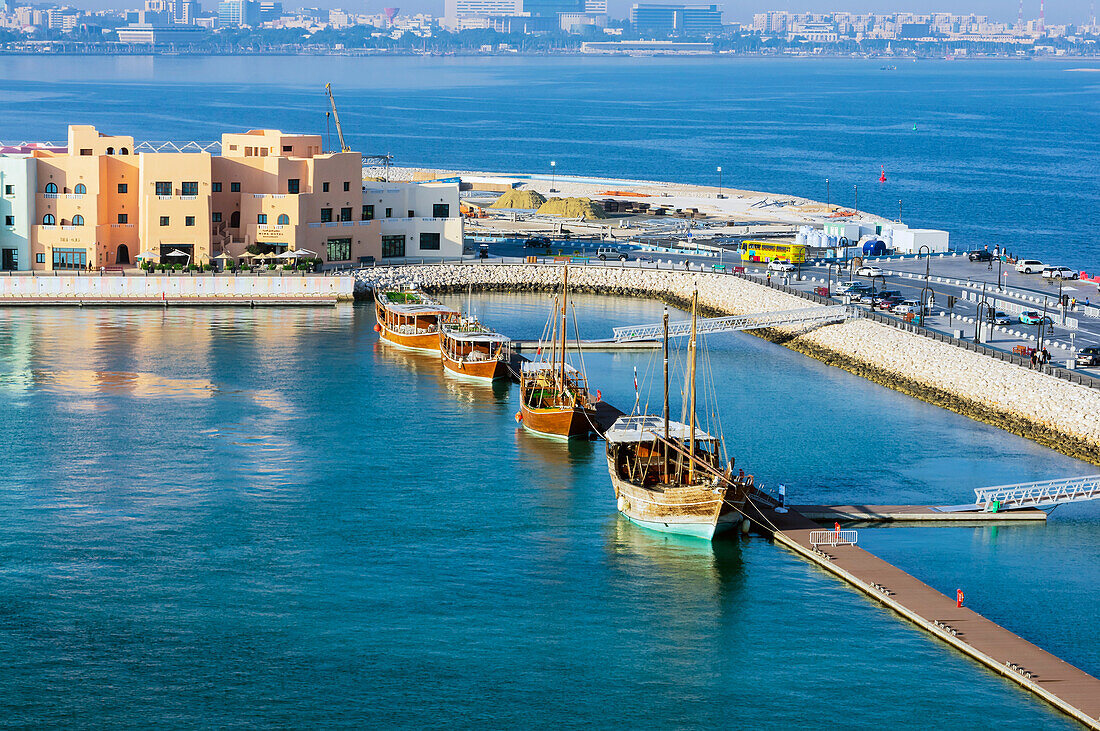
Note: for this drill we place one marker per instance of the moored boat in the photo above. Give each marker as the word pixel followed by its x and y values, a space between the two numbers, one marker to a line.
pixel 411 319
pixel 554 398
pixel 471 350
pixel 668 475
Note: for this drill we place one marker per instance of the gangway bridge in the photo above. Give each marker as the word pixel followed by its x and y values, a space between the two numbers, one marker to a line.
pixel 823 315
pixel 1047 494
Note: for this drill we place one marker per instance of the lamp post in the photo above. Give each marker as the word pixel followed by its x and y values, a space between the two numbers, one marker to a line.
pixel 553 165
pixel 1000 282
pixel 720 182
pixel 856 189
pixel 828 206
pixel 899 210
pixel 978 319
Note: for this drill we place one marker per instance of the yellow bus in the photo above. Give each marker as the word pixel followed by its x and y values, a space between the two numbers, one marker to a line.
pixel 773 251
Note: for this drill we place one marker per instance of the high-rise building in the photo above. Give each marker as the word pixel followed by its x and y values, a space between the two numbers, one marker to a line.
pixel 456 10
pixel 675 18
pixel 237 13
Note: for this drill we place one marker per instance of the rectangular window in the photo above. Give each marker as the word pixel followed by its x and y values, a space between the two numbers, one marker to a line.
pixel 293 185
pixel 326 215
pixel 70 259
pixel 188 220
pixel 441 210
pixel 393 246
pixel 324 187
pixel 345 214
pixel 347 186
pixel 261 218
pixel 368 213
pixel 86 152
pixel 234 187
pixel 123 218
pixel 164 187
pixel 389 213
pixel 39 258
pixel 288 148
pixel 216 187
pixel 412 214
pixel 164 220
pixel 339 249
pixel 429 242
pixel 123 188
pixel 9 190
pixel 9 220
pixel 216 216
pixel 189 187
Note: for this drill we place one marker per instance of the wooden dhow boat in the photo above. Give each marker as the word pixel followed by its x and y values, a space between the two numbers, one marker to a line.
pixel 471 350
pixel 410 319
pixel 554 398
pixel 668 475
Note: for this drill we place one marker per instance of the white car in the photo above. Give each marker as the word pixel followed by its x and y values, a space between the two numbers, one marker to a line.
pixel 1059 273
pixel 780 266
pixel 907 307
pixel 1029 266
pixel 852 288
pixel 869 272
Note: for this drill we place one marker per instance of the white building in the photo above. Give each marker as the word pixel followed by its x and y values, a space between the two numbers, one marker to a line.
pixel 420 220
pixel 18 183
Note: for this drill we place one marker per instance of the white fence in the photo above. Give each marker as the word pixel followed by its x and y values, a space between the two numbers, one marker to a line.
pixel 81 287
pixel 833 538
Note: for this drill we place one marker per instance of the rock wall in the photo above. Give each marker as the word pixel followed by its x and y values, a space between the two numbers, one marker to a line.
pixel 1059 414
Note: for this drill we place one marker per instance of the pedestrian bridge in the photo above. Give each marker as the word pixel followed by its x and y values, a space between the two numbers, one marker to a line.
pixel 1041 495
pixel 823 315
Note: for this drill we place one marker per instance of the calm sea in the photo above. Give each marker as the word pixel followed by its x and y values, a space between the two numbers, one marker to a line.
pixel 997 152
pixel 263 517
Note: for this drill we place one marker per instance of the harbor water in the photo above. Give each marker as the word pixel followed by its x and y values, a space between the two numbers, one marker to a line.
pixel 267 517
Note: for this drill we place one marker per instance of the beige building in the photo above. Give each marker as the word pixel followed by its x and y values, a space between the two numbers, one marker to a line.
pixel 101 204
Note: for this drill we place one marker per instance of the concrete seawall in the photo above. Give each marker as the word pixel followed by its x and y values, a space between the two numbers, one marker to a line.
pixel 180 288
pixel 1046 409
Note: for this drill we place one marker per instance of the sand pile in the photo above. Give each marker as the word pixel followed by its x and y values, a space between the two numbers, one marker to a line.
pixel 525 199
pixel 573 208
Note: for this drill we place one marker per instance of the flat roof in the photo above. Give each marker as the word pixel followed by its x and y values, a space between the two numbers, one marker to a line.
pixel 647 427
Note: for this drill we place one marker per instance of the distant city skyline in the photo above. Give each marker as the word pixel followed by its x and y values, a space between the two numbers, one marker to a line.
pixel 1058 12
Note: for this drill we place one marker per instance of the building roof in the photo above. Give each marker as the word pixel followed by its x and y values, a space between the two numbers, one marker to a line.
pixel 649 428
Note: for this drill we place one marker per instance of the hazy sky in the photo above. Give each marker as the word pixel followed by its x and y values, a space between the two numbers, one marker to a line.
pixel 1057 11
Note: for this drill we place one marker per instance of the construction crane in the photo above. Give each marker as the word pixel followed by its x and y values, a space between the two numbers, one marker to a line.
pixel 339 130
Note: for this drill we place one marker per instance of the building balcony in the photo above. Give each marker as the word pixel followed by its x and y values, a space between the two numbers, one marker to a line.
pixel 74 196
pixel 122 225
pixel 51 195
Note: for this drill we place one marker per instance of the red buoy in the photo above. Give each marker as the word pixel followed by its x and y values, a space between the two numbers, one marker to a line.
pixel 882 178
pixel 377 328
pixel 519 417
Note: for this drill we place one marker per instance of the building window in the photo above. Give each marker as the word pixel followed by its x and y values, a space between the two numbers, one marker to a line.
pixel 288 148
pixel 110 150
pixel 189 187
pixel 9 190
pixel 9 220
pixel 123 151
pixel 234 187
pixel 368 213
pixel 324 187
pixel 393 246
pixel 339 249
pixel 51 187
pixel 293 185
pixel 85 151
pixel 188 220
pixel 261 218
pixel 441 210
pixel 164 187
pixel 122 188
pixel 412 214
pixel 70 259
pixel 123 218
pixel 345 214
pixel 216 216
pixel 326 215
pixel 164 220
pixel 216 187
pixel 49 220
pixel 284 220
pixel 429 242
pixel 78 220
pixel 39 258
pixel 80 189
pixel 347 186
pixel 389 213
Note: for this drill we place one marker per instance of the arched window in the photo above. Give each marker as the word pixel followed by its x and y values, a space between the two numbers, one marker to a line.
pixel 51 188
pixel 78 220
pixel 284 220
pixel 123 151
pixel 110 150
pixel 48 220
pixel 80 189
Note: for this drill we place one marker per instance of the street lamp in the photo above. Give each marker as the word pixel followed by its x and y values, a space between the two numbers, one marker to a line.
pixel 1000 282
pixel 856 189
pixel 828 206
pixel 978 319
pixel 553 165
pixel 720 182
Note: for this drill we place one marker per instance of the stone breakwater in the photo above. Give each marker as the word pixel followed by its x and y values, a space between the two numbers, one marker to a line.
pixel 1046 409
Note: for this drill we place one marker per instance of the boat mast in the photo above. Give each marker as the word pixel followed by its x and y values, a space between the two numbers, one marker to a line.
pixel 691 348
pixel 664 447
pixel 564 301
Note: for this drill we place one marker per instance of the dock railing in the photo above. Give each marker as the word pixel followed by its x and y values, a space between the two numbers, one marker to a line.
pixel 833 538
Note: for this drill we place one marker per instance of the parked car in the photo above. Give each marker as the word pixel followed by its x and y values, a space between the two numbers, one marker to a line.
pixel 980 255
pixel 784 267
pixel 605 253
pixel 537 242
pixel 1029 266
pixel 888 303
pixel 851 288
pixel 869 271
pixel 1088 357
pixel 1031 317
pixel 894 293
pixel 907 307
pixel 1000 318
pixel 1059 273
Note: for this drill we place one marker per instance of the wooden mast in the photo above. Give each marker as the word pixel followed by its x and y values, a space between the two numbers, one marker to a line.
pixel 665 446
pixel 564 301
pixel 691 348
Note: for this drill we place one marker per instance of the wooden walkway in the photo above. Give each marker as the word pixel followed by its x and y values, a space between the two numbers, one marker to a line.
pixel 911 513
pixel 1064 686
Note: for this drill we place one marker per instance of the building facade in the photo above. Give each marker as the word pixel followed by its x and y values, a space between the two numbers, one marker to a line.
pixel 99 203
pixel 675 18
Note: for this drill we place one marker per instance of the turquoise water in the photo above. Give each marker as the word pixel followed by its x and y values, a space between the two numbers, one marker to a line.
pixel 1003 152
pixel 265 517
